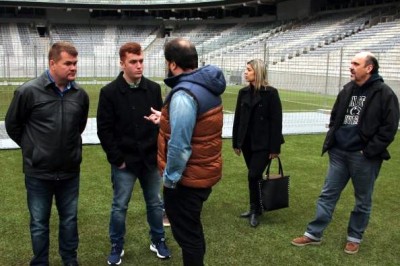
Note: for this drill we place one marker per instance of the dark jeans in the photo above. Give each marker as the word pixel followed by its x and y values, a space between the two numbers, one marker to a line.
pixel 345 166
pixel 40 198
pixel 123 182
pixel 256 163
pixel 183 206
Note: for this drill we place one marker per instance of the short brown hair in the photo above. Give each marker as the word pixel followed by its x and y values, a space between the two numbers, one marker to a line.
pixel 131 48
pixel 58 47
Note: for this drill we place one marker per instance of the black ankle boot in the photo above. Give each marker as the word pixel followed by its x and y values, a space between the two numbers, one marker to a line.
pixel 253 220
pixel 246 214
pixel 251 210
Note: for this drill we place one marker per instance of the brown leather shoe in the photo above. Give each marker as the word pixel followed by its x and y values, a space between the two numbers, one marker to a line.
pixel 304 241
pixel 352 247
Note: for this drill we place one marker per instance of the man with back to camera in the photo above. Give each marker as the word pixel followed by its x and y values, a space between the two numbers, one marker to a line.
pixel 46 119
pixel 363 122
pixel 130 143
pixel 189 144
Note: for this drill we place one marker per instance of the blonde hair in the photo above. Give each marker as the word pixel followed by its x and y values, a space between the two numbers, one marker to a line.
pixel 260 73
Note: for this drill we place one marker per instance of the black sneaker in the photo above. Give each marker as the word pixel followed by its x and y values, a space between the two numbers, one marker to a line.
pixel 161 249
pixel 115 255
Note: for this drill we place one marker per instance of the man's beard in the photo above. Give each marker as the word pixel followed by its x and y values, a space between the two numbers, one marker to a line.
pixel 170 74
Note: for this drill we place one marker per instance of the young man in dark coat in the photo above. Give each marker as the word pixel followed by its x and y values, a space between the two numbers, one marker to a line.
pixel 130 142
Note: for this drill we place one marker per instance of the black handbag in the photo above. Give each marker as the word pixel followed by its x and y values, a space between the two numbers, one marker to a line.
pixel 274 189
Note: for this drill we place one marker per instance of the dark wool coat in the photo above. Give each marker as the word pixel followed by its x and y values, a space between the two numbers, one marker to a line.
pixel 123 132
pixel 266 112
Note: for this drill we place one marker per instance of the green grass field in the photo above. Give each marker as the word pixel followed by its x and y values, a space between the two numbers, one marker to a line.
pixel 292 101
pixel 230 240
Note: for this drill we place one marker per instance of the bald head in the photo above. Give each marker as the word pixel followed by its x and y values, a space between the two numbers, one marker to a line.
pixel 363 65
pixel 370 59
pixel 365 54
pixel 184 42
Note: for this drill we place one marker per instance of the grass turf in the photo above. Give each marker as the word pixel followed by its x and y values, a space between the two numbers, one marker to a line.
pixel 292 101
pixel 230 240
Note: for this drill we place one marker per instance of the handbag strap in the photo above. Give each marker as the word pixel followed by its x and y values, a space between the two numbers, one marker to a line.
pixel 280 167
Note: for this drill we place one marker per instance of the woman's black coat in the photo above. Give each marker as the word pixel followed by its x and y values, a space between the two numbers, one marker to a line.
pixel 266 129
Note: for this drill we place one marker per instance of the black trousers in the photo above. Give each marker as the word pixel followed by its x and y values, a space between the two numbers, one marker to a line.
pixel 256 163
pixel 183 206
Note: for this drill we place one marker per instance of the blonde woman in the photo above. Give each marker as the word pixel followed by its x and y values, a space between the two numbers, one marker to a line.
pixel 257 130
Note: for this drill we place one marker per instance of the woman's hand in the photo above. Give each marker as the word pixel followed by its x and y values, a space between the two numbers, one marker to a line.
pixel 273 156
pixel 238 151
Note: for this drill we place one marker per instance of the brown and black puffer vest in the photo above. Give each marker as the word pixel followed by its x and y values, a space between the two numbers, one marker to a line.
pixel 204 168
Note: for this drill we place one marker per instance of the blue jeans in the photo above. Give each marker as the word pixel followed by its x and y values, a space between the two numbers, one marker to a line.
pixel 123 182
pixel 40 198
pixel 363 172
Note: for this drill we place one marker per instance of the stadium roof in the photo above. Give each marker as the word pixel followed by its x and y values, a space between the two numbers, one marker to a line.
pixel 118 2
pixel 137 3
pixel 155 8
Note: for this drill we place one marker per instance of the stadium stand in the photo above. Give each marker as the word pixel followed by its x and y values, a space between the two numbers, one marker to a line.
pixel 309 54
pixel 228 45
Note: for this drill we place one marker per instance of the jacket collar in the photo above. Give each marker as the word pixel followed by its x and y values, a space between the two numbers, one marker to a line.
pixel 124 87
pixel 249 97
pixel 248 88
pixel 49 82
pixel 369 85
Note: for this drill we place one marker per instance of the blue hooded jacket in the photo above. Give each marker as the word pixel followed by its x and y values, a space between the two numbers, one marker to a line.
pixel 205 84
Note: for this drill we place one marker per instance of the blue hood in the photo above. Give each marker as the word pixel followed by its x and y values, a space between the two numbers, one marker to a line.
pixel 209 77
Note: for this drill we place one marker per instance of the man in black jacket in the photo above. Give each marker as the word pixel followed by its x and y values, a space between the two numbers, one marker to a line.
pixel 364 121
pixel 130 142
pixel 46 118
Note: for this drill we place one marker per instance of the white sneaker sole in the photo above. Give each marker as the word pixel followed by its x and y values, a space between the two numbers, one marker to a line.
pixel 120 260
pixel 153 248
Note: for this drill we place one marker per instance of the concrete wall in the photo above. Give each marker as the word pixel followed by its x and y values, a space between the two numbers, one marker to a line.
pixel 293 9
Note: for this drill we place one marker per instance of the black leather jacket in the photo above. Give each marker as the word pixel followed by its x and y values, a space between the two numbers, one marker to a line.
pixel 48 128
